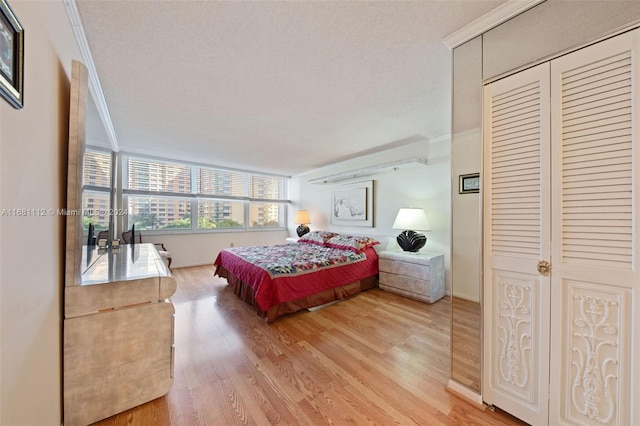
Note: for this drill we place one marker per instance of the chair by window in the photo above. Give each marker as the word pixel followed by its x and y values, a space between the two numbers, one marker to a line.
pixel 135 237
pixel 103 235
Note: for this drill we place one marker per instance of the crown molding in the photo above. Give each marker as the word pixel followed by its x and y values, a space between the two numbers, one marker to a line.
pixel 490 20
pixel 94 82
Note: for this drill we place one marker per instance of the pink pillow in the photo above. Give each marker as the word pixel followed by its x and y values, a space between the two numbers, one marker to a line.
pixel 316 237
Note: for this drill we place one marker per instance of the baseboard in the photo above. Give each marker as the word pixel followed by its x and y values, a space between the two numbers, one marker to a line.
pixel 466 393
pixel 179 266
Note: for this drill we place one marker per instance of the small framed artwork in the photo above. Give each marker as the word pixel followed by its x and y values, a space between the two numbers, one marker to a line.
pixel 469 183
pixel 11 57
pixel 352 204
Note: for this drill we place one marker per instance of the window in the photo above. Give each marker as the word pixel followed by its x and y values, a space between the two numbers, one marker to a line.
pixel 149 213
pixel 96 188
pixel 95 209
pixel 266 214
pixel 155 187
pixel 164 195
pixel 220 214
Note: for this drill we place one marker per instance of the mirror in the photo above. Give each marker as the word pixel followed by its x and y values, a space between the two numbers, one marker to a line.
pixel 466 208
pixel 97 199
pixel 85 129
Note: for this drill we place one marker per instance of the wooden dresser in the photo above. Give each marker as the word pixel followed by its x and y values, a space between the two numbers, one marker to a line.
pixel 416 275
pixel 118 333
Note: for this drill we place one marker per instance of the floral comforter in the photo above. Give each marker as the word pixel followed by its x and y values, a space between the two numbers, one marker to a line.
pixel 286 272
pixel 295 259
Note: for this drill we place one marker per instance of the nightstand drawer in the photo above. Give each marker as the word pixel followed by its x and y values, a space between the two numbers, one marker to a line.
pixel 413 270
pixel 413 285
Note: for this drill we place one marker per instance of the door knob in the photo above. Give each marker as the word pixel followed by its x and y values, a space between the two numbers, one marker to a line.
pixel 544 268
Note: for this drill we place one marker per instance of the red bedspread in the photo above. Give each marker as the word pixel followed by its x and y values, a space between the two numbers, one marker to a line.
pixel 289 272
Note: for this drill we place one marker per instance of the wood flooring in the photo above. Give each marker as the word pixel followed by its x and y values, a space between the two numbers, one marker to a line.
pixel 375 359
pixel 466 341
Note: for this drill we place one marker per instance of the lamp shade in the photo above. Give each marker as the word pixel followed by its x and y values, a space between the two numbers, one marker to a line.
pixel 411 218
pixel 302 217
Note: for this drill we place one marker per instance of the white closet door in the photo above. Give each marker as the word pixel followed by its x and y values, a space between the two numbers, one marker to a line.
pixel 516 238
pixel 595 248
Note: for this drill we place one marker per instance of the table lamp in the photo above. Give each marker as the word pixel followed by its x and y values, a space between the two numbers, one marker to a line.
pixel 411 219
pixel 302 219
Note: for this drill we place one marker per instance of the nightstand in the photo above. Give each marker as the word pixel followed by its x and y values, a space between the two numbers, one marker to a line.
pixel 416 275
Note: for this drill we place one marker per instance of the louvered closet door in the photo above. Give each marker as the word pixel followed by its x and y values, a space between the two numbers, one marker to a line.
pixel 516 237
pixel 594 276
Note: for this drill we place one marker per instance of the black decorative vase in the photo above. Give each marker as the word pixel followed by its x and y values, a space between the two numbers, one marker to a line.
pixel 411 241
pixel 302 229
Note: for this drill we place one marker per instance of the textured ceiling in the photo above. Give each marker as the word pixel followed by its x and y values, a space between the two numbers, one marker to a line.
pixel 274 86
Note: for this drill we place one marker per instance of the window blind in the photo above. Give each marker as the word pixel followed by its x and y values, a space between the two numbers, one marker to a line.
pixel 97 169
pixel 221 183
pixel 157 176
pixel 266 188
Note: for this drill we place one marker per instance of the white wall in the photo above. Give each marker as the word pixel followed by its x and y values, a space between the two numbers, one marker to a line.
pixel 203 248
pixel 33 146
pixel 549 28
pixel 409 186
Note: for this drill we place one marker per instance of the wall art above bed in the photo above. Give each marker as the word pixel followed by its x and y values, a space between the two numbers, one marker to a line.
pixel 352 204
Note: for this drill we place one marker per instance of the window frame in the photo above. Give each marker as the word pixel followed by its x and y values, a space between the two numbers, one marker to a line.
pixel 195 196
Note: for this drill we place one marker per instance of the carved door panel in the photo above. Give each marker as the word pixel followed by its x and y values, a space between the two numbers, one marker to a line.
pixel 517 236
pixel 560 169
pixel 594 268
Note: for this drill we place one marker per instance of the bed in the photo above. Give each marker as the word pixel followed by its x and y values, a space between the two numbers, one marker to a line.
pixel 321 267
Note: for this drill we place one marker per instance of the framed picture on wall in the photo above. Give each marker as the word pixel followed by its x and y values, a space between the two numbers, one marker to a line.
pixel 469 183
pixel 11 57
pixel 352 204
